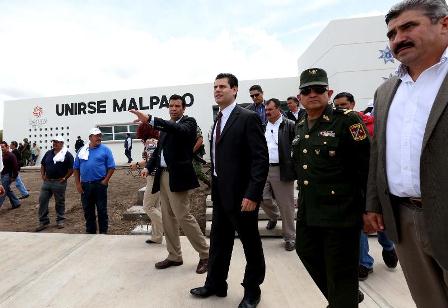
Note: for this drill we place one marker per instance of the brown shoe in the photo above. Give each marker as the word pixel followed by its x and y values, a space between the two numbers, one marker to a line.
pixel 202 266
pixel 167 263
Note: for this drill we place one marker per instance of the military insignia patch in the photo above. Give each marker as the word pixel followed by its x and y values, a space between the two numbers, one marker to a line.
pixel 326 118
pixel 358 132
pixel 327 133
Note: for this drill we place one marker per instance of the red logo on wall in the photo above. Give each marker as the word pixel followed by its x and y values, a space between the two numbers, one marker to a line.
pixel 38 111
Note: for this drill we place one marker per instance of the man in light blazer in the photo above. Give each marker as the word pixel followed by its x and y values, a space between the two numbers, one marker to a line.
pixel 407 193
pixel 240 165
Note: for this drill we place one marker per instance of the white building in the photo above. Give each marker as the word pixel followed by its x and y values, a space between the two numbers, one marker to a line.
pixel 355 54
pixel 39 119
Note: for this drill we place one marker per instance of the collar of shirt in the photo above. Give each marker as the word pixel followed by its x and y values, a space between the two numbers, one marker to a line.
pixel 225 116
pixel 276 124
pixel 402 70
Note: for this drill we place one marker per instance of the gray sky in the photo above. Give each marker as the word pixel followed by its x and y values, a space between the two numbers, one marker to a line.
pixel 51 48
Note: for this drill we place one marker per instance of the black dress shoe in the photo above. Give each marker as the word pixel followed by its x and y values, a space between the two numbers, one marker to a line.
pixel 249 302
pixel 205 292
pixel 390 258
pixel 271 224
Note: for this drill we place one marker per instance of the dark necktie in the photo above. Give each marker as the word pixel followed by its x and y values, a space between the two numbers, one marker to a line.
pixel 218 128
pixel 218 134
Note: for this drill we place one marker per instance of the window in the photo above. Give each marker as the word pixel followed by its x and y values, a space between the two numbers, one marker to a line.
pixel 118 132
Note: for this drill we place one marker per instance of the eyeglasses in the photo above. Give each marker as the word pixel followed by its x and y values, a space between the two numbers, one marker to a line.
pixel 255 95
pixel 315 89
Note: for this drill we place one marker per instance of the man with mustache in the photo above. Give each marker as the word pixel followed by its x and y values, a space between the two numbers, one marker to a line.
pixel 407 194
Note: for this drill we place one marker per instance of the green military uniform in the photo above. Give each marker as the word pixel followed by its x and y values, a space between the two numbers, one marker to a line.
pixel 331 160
pixel 197 165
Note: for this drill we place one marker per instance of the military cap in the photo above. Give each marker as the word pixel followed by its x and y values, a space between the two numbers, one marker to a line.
pixel 312 77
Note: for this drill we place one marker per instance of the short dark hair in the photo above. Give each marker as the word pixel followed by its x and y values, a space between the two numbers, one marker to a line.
pixel 347 95
pixel 176 97
pixel 295 99
pixel 256 87
pixel 233 81
pixel 275 101
pixel 433 9
pixel 4 143
pixel 14 143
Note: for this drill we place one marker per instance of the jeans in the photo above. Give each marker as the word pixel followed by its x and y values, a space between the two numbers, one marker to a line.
pixel 21 187
pixel 48 189
pixel 6 182
pixel 95 194
pixel 364 258
pixel 128 155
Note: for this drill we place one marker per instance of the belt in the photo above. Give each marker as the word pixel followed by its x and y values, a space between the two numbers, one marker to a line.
pixel 410 202
pixel 92 182
pixel 163 169
pixel 274 164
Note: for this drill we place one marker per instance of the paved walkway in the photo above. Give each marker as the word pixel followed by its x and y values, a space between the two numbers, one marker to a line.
pixel 62 270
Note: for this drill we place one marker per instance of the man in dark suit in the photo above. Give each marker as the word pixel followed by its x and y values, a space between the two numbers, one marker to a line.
pixel 295 112
pixel 407 192
pixel 240 166
pixel 172 160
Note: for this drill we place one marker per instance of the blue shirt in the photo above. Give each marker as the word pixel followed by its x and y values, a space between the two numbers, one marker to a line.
pixel 95 168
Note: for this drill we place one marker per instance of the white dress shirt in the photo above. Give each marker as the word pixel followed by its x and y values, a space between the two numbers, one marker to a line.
pixel 225 116
pixel 406 125
pixel 162 157
pixel 271 135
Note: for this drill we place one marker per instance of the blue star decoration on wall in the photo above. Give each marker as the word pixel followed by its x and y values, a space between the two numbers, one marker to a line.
pixel 386 55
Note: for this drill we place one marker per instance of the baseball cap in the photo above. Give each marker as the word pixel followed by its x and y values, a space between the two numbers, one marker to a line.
pixel 58 138
pixel 95 131
pixel 312 77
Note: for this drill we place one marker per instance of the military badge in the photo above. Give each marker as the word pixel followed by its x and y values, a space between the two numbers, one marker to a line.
pixel 327 133
pixel 326 118
pixel 313 71
pixel 358 132
pixel 295 141
pixel 317 151
pixel 332 153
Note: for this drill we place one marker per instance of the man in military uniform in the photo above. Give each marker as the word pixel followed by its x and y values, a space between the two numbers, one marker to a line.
pixel 331 157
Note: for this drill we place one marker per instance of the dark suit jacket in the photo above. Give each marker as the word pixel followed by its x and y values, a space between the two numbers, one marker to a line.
pixel 177 141
pixel 286 134
pixel 291 116
pixel 242 160
pixel 433 169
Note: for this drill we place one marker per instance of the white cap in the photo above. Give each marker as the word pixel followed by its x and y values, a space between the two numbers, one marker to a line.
pixel 58 138
pixel 95 131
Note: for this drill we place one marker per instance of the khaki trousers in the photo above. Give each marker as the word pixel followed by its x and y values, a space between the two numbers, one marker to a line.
pixel 175 213
pixel 151 206
pixel 427 280
pixel 283 193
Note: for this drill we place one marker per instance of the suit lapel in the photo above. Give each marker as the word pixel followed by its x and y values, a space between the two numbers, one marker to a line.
pixel 389 94
pixel 233 116
pixel 437 109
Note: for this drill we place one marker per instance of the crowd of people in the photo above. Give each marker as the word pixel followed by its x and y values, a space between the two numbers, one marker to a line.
pixel 377 171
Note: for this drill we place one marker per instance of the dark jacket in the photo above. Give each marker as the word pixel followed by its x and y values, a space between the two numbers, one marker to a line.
pixel 286 133
pixel 242 160
pixel 177 141
pixel 10 165
pixel 291 116
pixel 332 164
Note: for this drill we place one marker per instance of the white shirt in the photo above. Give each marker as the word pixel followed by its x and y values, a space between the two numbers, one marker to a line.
pixel 162 157
pixel 271 135
pixel 225 116
pixel 1 161
pixel 406 125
